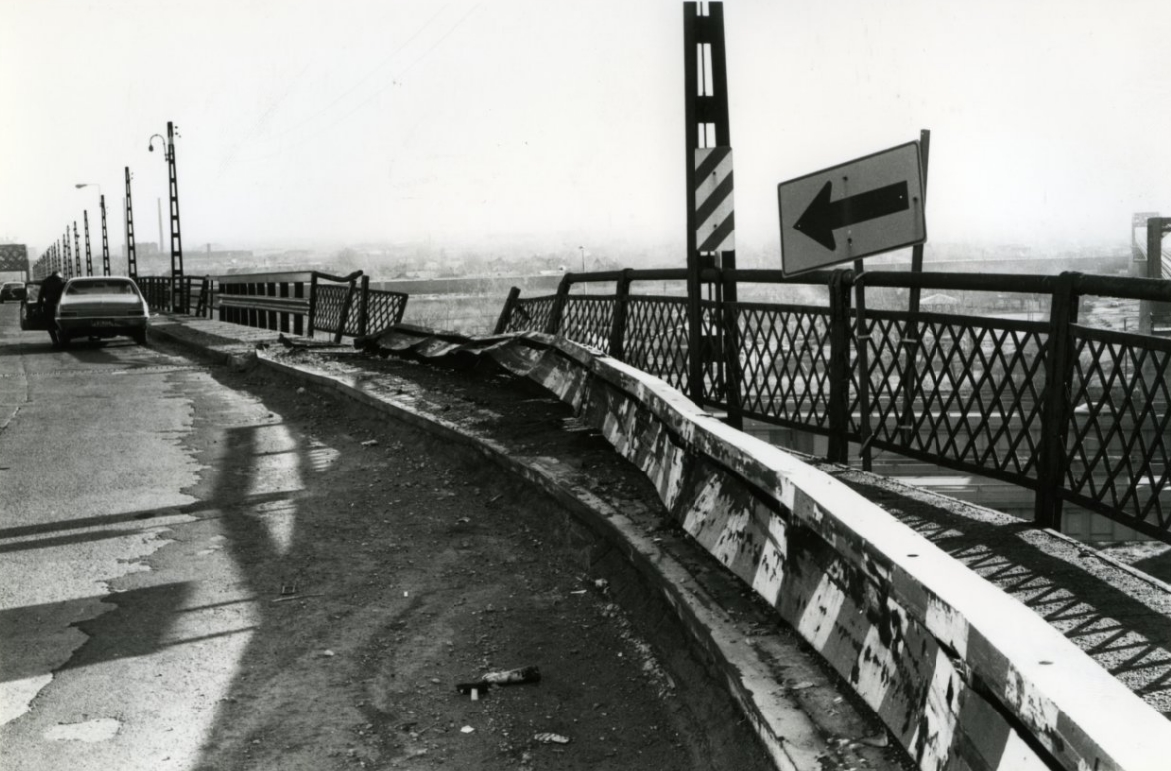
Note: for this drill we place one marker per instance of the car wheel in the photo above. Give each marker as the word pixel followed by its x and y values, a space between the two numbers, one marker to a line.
pixel 63 339
pixel 139 336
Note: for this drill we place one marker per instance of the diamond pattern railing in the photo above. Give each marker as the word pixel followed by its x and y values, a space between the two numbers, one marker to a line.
pixel 977 387
pixel 328 311
pixel 655 339
pixel 531 314
pixel 1119 444
pixel 383 310
pixel 784 360
pixel 966 392
pixel 588 319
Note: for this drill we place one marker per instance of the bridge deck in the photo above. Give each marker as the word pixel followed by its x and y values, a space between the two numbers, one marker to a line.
pixel 1118 614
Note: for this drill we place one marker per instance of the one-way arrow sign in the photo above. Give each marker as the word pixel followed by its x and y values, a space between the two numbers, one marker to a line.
pixel 869 205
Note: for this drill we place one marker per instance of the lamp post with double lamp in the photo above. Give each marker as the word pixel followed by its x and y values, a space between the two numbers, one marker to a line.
pixel 105 239
pixel 177 303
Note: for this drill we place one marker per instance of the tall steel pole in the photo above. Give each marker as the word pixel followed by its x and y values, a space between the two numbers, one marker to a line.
pixel 177 302
pixel 105 240
pixel 708 164
pixel 76 249
pixel 67 255
pixel 89 263
pixel 131 257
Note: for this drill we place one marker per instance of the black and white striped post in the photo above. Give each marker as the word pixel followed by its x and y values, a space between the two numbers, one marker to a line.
pixel 710 219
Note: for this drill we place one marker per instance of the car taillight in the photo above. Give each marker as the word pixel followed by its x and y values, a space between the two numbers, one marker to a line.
pixel 134 313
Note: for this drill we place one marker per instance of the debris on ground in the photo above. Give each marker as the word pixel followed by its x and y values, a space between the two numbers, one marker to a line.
pixel 514 676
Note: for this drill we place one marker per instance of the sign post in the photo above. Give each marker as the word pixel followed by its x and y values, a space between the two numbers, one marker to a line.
pixel 867 206
pixel 710 217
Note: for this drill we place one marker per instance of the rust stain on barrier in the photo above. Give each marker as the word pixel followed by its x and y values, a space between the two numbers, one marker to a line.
pixel 947 692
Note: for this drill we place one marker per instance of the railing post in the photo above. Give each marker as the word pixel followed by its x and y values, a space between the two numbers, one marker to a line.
pixel 312 302
pixel 345 312
pixel 730 315
pixel 558 309
pixel 1055 408
pixel 618 321
pixel 506 311
pixel 839 366
pixel 862 345
pixel 363 307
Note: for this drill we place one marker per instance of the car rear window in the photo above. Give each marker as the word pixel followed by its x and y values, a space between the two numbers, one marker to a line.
pixel 100 287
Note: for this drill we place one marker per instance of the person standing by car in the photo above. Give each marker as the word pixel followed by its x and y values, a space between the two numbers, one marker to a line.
pixel 50 295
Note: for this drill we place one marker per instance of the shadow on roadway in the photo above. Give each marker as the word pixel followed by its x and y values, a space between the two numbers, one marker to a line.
pixel 29 630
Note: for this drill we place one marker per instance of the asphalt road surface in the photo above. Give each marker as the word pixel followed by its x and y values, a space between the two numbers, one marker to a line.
pixel 93 466
pixel 207 569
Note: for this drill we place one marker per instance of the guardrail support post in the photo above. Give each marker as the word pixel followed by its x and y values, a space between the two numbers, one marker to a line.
pixel 839 367
pixel 618 322
pixel 345 312
pixel 729 310
pixel 1056 409
pixel 558 309
pixel 506 311
pixel 363 306
pixel 862 344
pixel 312 302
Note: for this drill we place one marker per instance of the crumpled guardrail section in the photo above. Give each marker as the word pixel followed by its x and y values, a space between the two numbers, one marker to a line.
pixel 962 675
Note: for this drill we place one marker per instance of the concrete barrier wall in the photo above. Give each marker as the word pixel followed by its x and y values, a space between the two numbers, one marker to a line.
pixel 963 676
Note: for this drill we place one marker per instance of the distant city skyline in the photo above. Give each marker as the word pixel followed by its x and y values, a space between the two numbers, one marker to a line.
pixel 359 121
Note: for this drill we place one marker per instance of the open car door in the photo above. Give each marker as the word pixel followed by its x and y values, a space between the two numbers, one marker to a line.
pixel 31 317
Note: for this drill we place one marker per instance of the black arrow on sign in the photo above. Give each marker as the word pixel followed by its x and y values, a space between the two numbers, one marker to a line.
pixel 823 217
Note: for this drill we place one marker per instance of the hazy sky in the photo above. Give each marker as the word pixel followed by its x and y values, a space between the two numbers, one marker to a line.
pixel 358 120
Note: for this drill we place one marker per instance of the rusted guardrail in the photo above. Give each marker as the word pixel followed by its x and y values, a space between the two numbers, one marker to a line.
pixel 1075 413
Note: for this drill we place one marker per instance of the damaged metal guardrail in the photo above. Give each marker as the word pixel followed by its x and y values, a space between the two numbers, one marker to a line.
pixel 963 676
pixel 305 302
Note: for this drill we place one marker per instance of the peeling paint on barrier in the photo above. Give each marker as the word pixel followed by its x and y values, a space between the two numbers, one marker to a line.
pixel 962 675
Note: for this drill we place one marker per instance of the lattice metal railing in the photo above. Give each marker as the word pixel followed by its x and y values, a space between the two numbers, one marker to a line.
pixel 655 337
pixel 976 388
pixel 531 314
pixel 784 356
pixel 1119 442
pixel 329 303
pixel 588 319
pixel 383 310
pixel 1075 413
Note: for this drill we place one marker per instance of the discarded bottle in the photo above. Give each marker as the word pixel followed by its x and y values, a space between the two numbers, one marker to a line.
pixel 514 676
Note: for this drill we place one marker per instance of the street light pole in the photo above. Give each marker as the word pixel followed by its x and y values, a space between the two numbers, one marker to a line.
pixel 131 257
pixel 76 249
pixel 177 304
pixel 105 239
pixel 68 257
pixel 89 263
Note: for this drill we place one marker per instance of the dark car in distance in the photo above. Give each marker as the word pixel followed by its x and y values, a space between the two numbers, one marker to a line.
pixel 12 290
